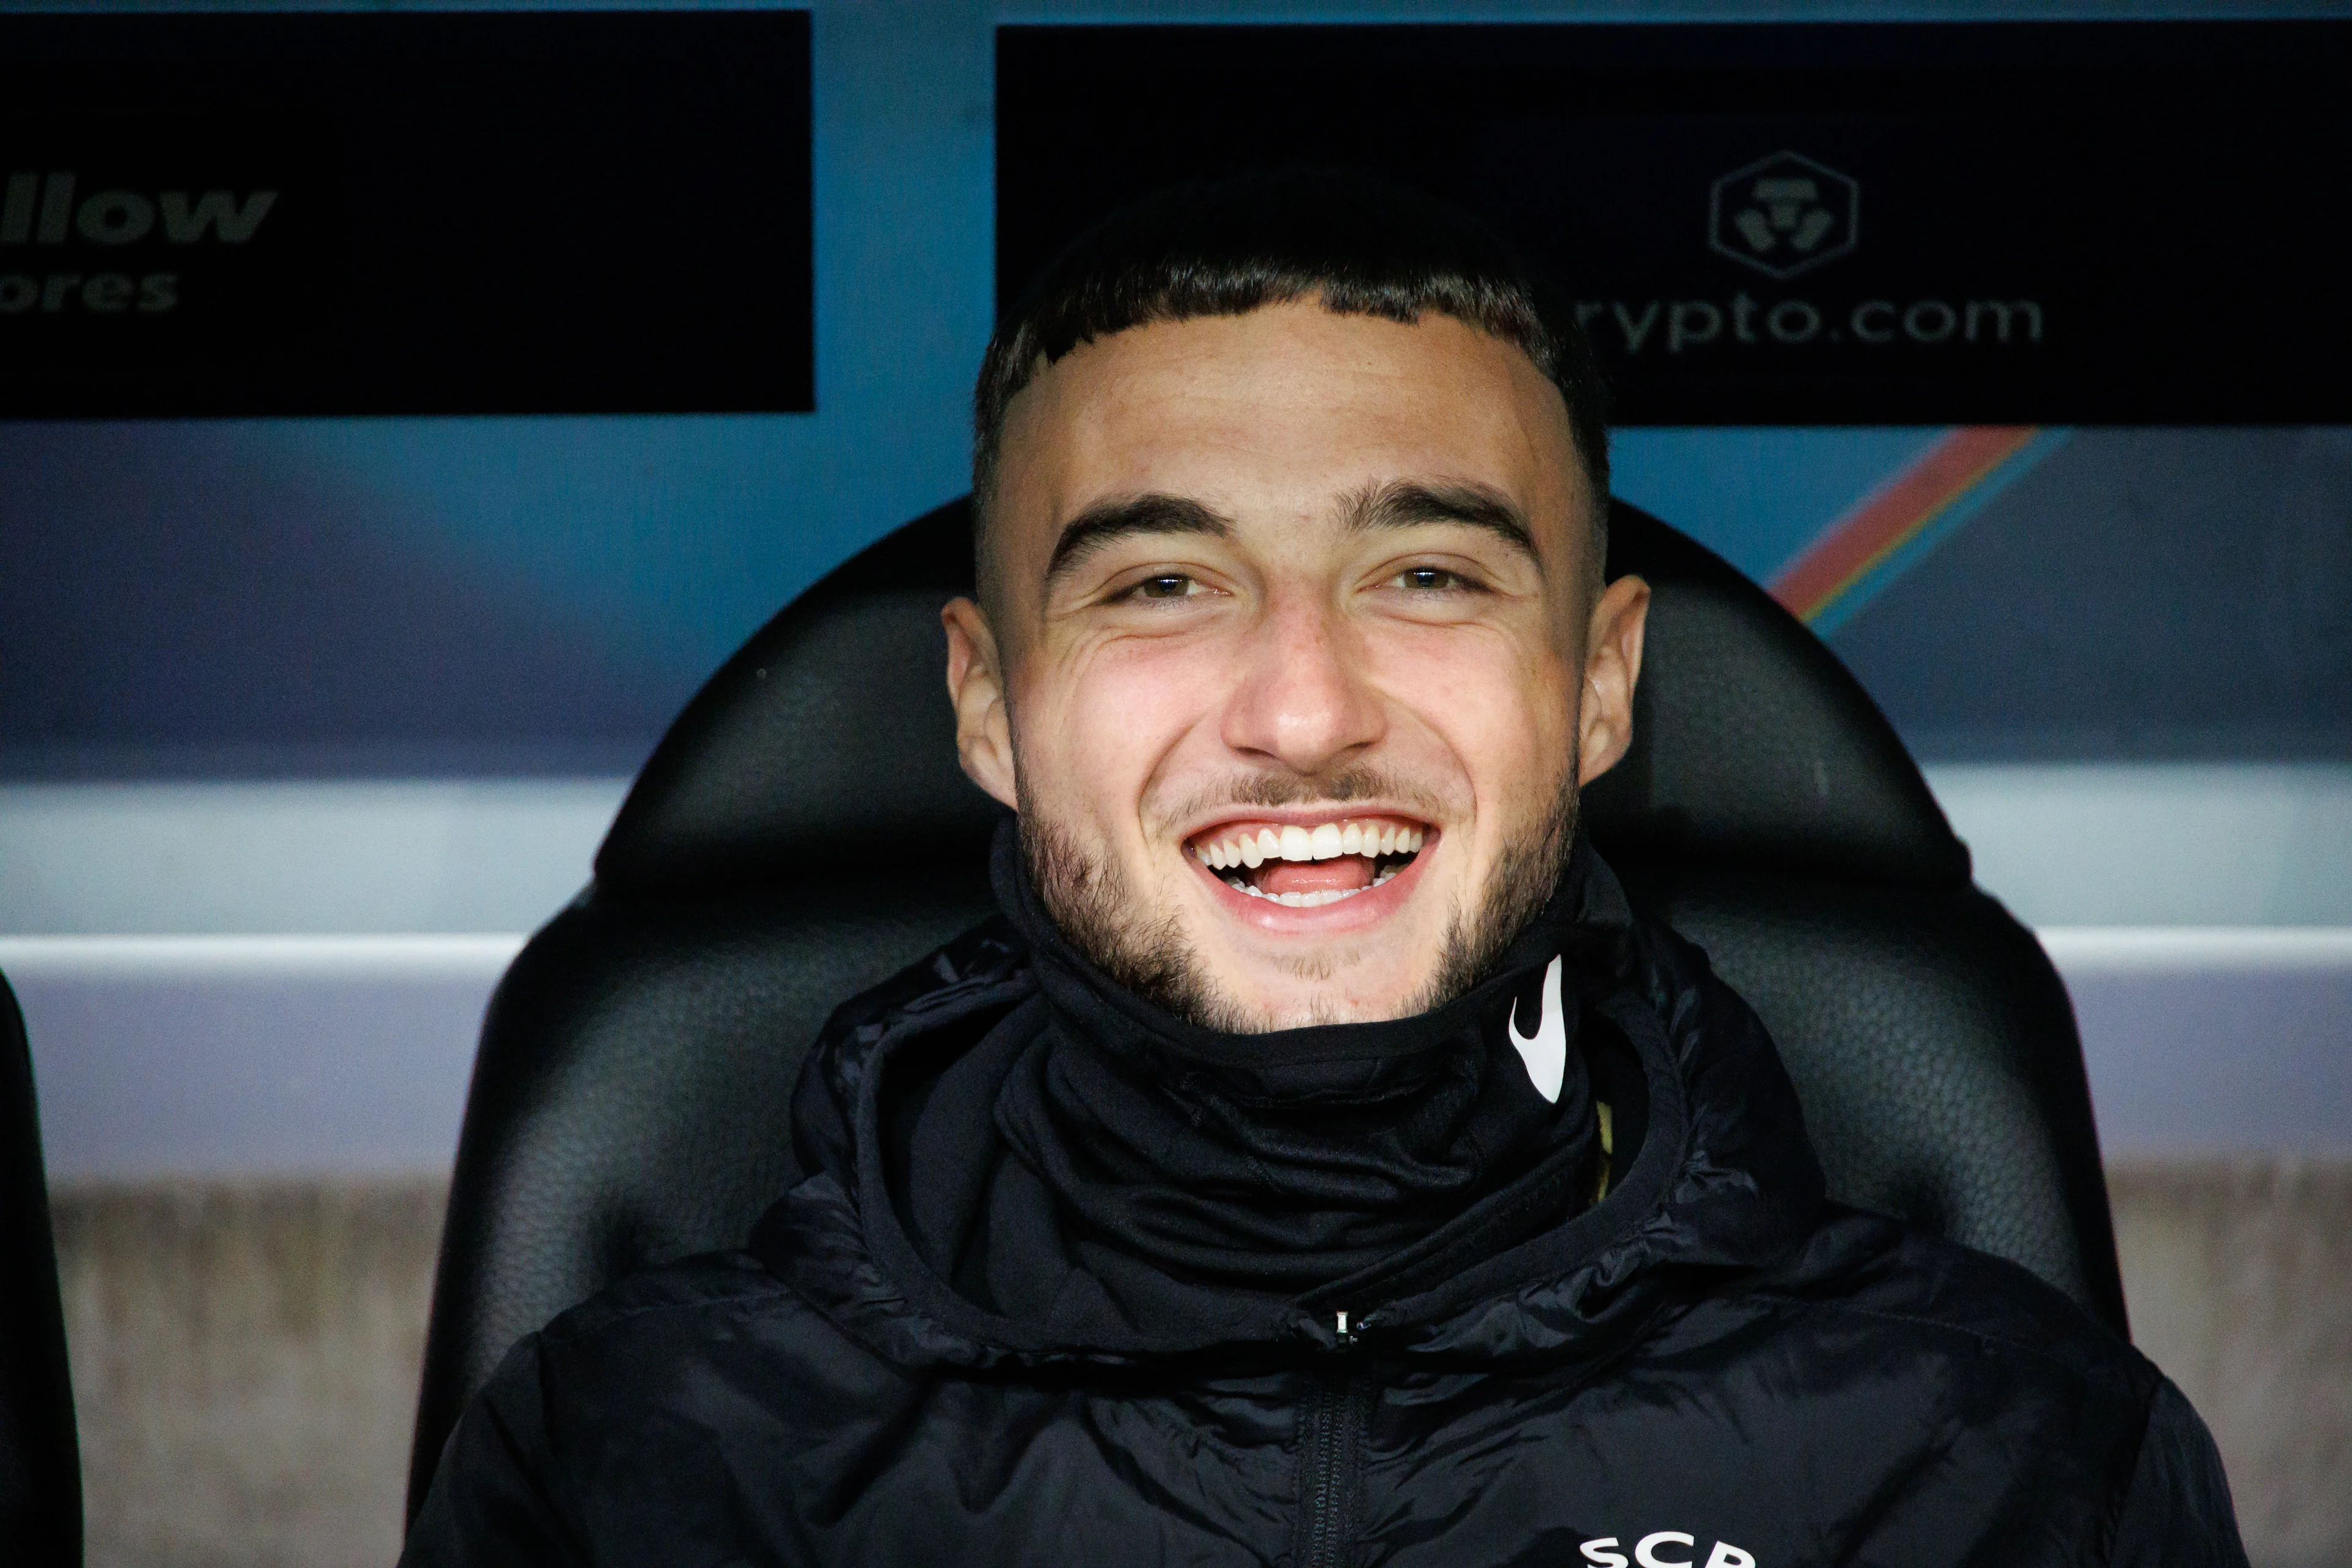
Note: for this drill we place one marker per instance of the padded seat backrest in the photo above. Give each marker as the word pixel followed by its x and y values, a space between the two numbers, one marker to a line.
pixel 804 831
pixel 40 1462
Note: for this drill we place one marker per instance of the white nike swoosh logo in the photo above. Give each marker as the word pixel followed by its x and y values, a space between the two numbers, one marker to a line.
pixel 1546 1050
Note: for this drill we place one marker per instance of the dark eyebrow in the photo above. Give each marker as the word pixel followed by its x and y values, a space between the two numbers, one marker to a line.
pixel 1407 503
pixel 1107 521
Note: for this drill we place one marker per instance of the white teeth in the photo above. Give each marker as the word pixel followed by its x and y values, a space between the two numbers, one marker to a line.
pixel 1311 901
pixel 1252 892
pixel 1324 842
pixel 1385 874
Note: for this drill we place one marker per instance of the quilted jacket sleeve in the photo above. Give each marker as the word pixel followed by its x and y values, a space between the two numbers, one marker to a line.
pixel 2178 1513
pixel 490 1501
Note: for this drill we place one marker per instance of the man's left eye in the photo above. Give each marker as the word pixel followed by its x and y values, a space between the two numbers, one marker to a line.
pixel 1429 579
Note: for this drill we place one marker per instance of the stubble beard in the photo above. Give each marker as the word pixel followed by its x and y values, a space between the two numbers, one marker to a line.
pixel 1147 955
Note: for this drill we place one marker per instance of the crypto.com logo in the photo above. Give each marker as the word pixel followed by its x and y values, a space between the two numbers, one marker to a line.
pixel 1784 214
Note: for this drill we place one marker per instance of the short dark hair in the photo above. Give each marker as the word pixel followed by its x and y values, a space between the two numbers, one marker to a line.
pixel 1226 248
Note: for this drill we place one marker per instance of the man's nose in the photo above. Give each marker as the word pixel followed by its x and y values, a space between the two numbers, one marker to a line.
pixel 1303 700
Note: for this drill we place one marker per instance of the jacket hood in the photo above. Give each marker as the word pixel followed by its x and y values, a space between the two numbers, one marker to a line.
pixel 1722 1181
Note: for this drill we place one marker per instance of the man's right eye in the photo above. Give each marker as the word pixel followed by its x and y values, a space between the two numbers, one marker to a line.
pixel 1167 586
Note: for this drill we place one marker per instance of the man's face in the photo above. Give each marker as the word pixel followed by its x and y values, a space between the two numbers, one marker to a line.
pixel 1293 661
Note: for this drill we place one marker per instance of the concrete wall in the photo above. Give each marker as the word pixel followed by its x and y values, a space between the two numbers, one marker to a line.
pixel 245 1364
pixel 246 1355
pixel 2239 1277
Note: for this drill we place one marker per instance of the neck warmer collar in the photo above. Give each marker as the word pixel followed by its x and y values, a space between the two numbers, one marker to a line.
pixel 923 1231
pixel 1195 1174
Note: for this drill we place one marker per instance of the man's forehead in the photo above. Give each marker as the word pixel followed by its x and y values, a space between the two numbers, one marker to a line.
pixel 1298 358
pixel 1291 414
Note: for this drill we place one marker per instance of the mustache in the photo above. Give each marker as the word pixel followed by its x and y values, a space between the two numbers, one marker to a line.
pixel 1343 787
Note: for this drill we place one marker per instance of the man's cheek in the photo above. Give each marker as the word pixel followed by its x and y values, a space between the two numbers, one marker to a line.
pixel 1131 711
pixel 1111 742
pixel 1492 717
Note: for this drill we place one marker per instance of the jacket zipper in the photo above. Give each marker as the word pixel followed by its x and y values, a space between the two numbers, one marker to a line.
pixel 1331 1425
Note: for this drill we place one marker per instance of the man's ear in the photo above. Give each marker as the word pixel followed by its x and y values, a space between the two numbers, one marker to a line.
pixel 1613 663
pixel 976 686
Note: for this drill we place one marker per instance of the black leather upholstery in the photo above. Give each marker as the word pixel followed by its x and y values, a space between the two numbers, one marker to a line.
pixel 828 734
pixel 1768 811
pixel 628 1101
pixel 40 1464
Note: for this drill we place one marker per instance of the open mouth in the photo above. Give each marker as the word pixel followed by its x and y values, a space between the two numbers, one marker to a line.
pixel 1304 865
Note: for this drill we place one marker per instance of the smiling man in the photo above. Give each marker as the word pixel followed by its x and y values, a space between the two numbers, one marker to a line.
pixel 1318 1161
pixel 1298 613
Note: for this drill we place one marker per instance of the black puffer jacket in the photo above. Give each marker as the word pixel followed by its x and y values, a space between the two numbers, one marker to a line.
pixel 995 1326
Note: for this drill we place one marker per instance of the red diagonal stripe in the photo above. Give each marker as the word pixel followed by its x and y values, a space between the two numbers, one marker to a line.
pixel 1893 511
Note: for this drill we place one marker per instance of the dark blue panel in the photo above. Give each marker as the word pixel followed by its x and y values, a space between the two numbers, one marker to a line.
pixel 178 608
pixel 2140 594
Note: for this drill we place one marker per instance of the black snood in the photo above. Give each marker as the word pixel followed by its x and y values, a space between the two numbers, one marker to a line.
pixel 1177 1179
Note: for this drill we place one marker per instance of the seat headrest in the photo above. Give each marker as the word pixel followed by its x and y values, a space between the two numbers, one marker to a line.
pixel 829 738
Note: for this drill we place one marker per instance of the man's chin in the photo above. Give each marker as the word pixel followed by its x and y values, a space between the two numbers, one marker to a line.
pixel 1340 987
pixel 1264 966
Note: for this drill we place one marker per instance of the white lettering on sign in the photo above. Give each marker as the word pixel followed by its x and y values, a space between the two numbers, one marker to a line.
pixel 1692 324
pixel 101 293
pixel 38 208
pixel 17 199
pixel 184 224
pixel 50 207
pixel 115 217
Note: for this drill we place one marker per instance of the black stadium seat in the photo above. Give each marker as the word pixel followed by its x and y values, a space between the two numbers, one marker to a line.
pixel 804 831
pixel 40 1463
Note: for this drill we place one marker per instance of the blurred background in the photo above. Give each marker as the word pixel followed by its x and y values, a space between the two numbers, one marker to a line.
pixel 342 596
